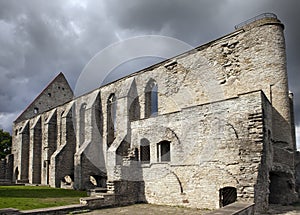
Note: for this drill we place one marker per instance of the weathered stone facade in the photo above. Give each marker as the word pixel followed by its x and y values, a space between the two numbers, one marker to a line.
pixel 209 127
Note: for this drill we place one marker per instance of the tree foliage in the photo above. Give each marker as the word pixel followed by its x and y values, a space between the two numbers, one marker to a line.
pixel 5 143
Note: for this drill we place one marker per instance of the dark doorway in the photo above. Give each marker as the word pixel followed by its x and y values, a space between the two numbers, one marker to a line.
pixel 228 195
pixel 280 185
pixel 16 174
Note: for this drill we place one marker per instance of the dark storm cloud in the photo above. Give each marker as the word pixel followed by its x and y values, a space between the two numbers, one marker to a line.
pixel 39 39
pixel 190 21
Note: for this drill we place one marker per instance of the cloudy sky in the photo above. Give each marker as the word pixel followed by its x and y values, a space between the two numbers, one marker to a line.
pixel 39 39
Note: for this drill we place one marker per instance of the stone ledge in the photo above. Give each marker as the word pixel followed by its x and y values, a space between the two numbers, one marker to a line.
pixel 10 211
pixel 106 200
pixel 56 210
pixel 236 208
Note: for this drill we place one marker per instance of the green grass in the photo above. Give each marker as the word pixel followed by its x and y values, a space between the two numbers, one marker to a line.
pixel 33 197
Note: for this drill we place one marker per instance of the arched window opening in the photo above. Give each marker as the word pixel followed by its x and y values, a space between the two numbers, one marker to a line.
pixel 111 119
pixel 145 150
pixel 82 124
pixel 151 99
pixel 163 151
pixel 228 195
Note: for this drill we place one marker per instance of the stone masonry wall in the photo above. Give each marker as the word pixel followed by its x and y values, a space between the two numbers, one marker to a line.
pixel 62 160
pixel 56 93
pixel 6 169
pixel 210 149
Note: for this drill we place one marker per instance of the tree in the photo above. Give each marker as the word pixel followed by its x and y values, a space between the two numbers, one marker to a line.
pixel 5 143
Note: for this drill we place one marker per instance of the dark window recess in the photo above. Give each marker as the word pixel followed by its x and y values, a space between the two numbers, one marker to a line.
pixel 49 94
pixel 163 151
pixel 151 99
pixel 136 154
pixel 35 110
pixel 111 119
pixel 82 124
pixel 134 110
pixel 145 151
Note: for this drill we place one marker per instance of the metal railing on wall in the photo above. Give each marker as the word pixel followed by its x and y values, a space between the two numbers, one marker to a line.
pixel 258 17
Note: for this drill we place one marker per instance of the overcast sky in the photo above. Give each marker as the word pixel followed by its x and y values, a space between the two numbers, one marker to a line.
pixel 39 39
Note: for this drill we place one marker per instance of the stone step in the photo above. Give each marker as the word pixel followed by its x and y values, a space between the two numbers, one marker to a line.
pixel 22 181
pixel 97 192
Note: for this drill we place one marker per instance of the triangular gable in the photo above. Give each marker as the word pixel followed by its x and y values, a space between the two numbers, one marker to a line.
pixel 55 94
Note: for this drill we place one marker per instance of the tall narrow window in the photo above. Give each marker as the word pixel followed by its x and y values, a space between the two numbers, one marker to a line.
pixel 81 124
pixel 61 128
pixel 111 119
pixel 151 99
pixel 163 151
pixel 145 150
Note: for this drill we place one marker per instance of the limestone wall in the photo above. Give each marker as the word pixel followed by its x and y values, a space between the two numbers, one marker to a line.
pixel 6 169
pixel 210 149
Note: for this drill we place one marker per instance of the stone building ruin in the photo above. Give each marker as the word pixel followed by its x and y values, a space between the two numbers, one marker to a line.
pixel 206 128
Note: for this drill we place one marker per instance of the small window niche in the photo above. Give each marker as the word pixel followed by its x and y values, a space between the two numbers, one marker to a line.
pixel 35 110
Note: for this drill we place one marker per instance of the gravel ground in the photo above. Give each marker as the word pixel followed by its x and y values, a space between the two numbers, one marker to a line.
pixel 161 210
pixel 284 210
pixel 148 209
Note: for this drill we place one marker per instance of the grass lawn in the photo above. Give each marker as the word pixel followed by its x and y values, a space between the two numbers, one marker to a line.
pixel 32 197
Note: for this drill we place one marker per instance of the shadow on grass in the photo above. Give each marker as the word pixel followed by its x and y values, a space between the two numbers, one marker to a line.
pixel 29 197
pixel 38 192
